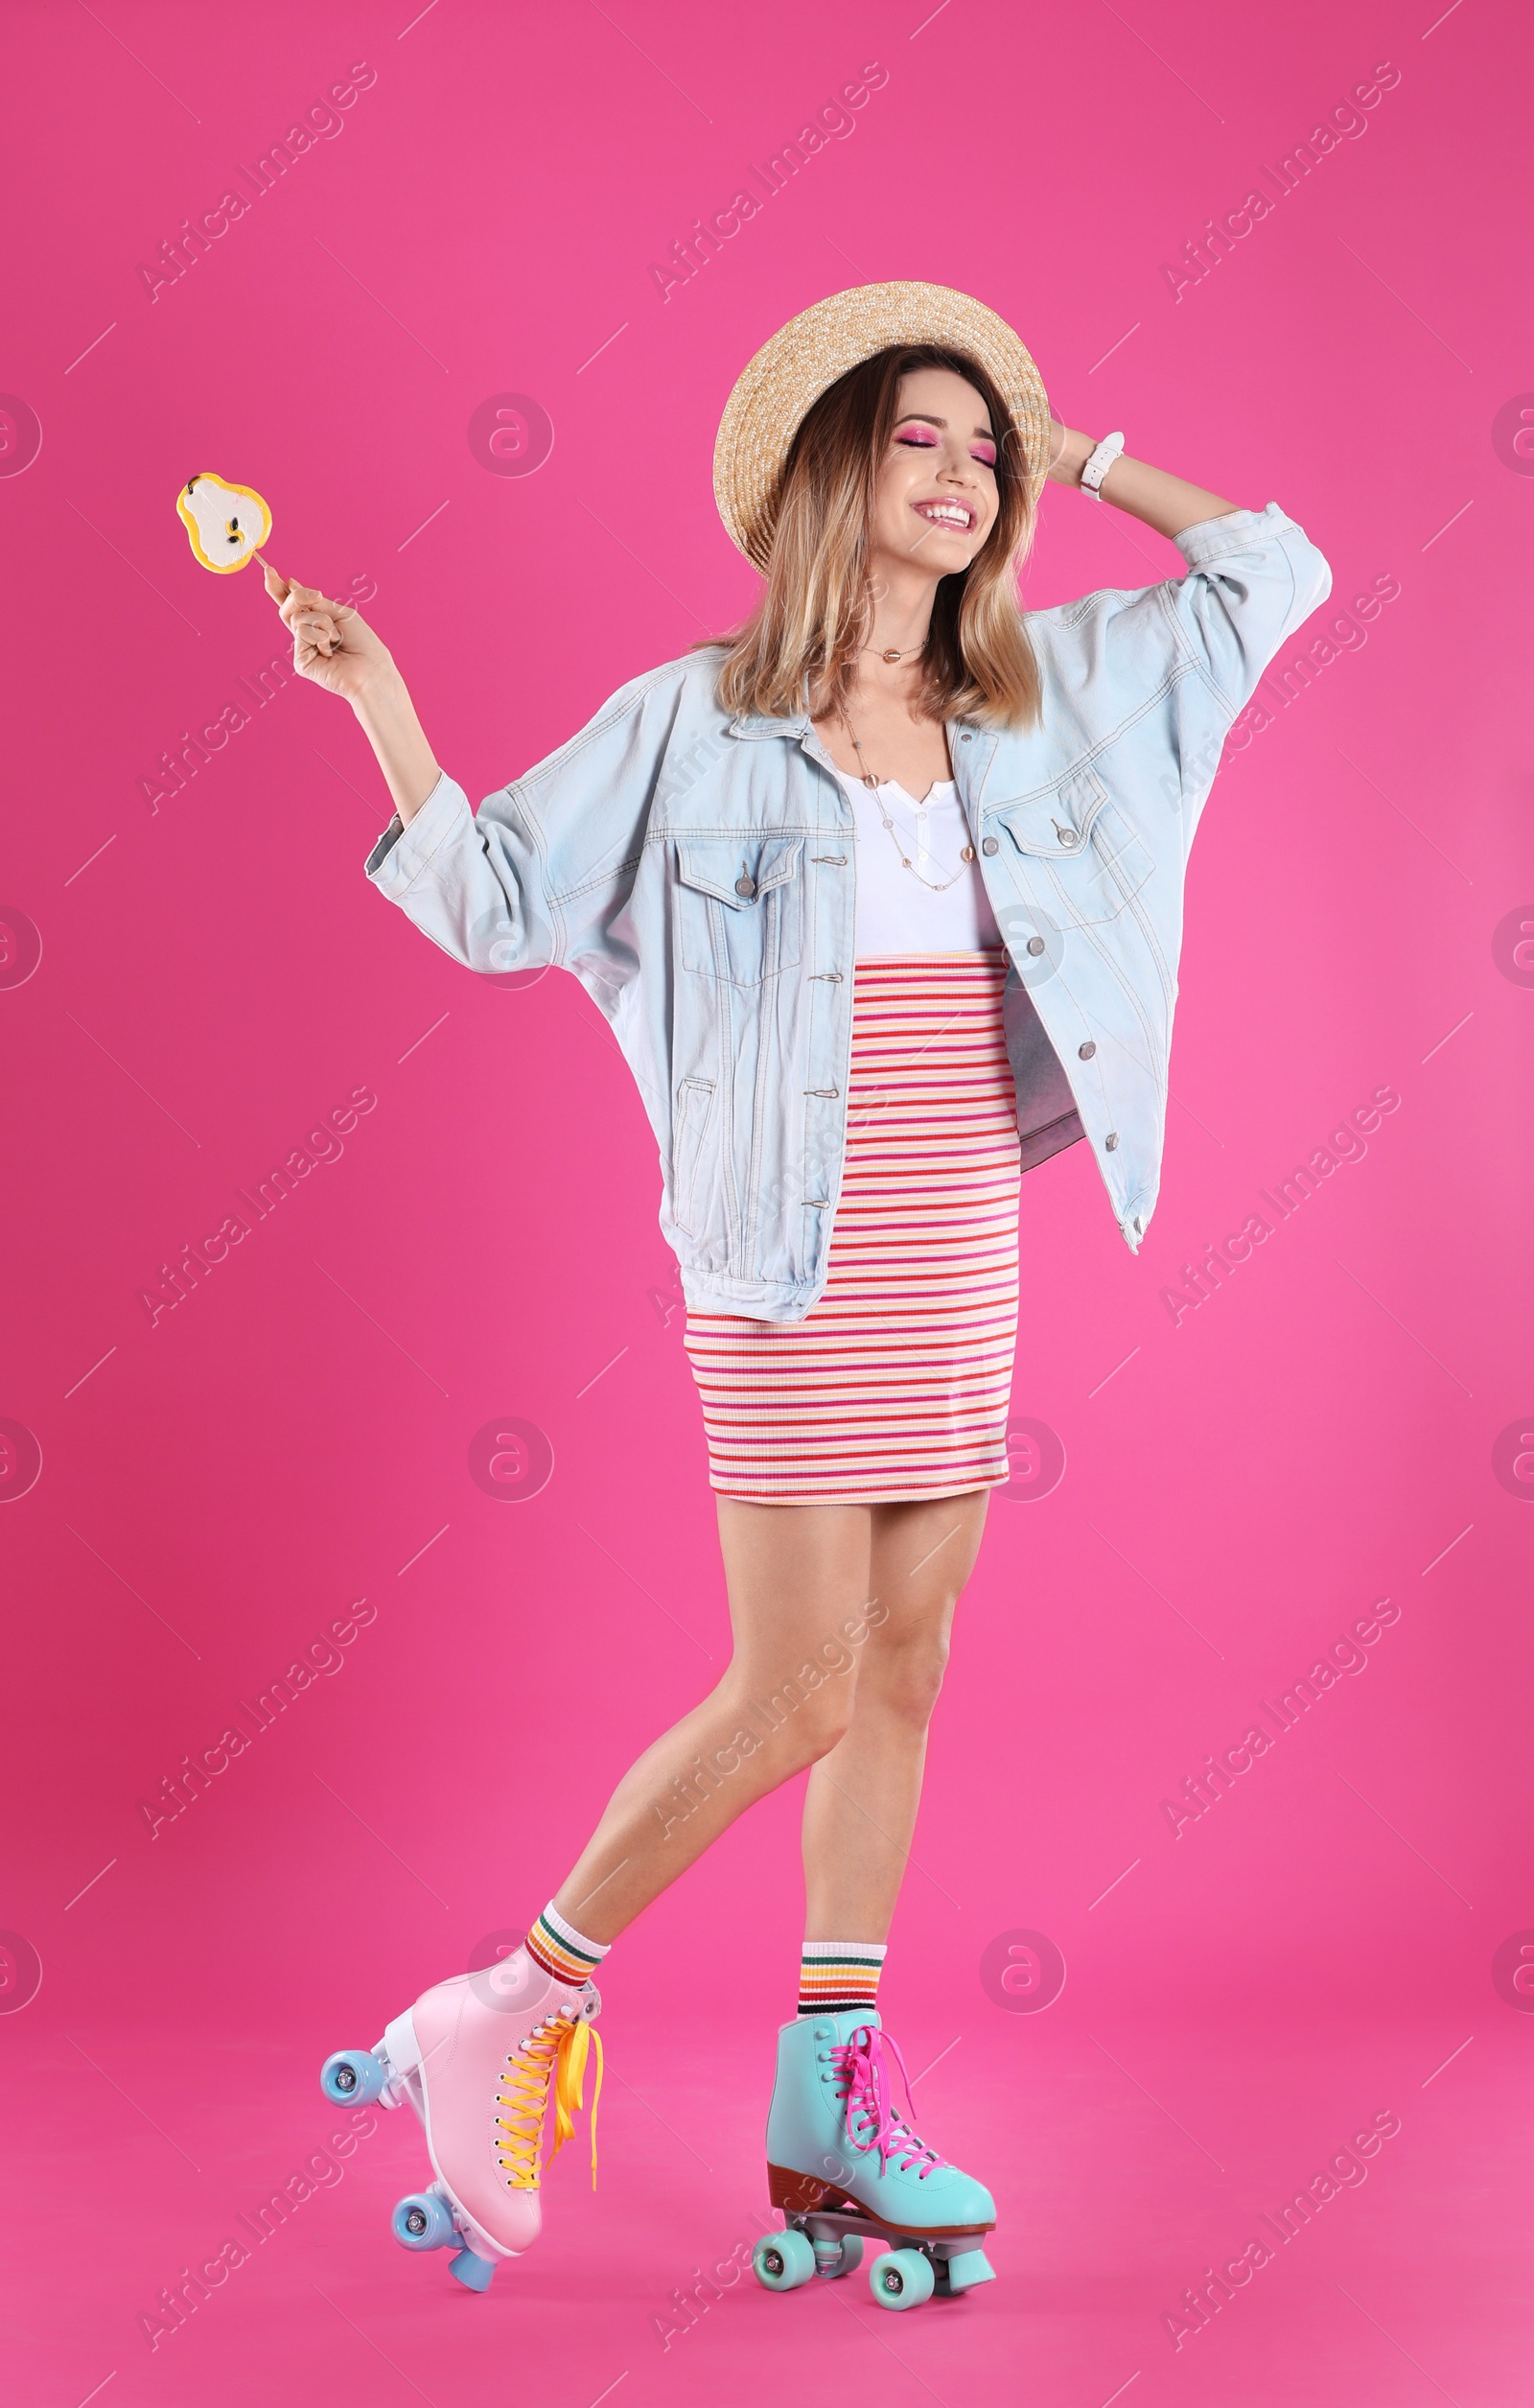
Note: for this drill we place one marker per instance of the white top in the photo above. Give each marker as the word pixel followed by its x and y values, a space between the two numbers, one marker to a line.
pixel 897 913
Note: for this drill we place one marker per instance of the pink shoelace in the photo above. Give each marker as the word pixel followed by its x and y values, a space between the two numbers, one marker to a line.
pixel 863 2080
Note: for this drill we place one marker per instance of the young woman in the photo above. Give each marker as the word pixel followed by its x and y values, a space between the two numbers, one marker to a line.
pixel 882 898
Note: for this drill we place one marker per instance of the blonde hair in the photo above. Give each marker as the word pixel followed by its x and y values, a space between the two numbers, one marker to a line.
pixel 800 646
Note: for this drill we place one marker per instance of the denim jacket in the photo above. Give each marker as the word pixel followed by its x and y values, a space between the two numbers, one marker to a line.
pixel 696 874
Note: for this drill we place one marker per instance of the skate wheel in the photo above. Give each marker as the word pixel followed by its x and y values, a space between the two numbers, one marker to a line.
pixel 902 2278
pixel 422 2221
pixel 847 2259
pixel 353 2077
pixel 473 2271
pixel 782 2262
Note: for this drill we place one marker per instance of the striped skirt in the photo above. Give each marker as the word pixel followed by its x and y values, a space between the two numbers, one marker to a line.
pixel 896 1384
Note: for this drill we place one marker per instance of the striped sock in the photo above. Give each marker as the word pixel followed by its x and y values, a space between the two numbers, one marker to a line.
pixel 835 1975
pixel 562 1951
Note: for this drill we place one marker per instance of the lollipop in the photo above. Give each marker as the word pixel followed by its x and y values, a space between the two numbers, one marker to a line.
pixel 224 523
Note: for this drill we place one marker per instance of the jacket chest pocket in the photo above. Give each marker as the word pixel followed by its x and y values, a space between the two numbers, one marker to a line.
pixel 739 906
pixel 1096 858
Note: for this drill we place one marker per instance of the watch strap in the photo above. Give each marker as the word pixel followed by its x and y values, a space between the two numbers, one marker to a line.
pixel 1100 461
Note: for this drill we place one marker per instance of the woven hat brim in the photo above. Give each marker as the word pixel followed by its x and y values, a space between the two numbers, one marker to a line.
pixel 803 360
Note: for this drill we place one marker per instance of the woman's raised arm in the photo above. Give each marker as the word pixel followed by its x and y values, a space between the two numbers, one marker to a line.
pixel 1168 503
pixel 335 648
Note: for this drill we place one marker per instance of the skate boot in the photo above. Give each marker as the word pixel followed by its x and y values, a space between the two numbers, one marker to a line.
pixel 476 2057
pixel 842 2165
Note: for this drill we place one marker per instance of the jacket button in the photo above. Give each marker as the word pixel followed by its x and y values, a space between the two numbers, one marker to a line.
pixel 745 885
pixel 964 737
pixel 1036 944
pixel 989 844
pixel 1086 1051
pixel 1110 1140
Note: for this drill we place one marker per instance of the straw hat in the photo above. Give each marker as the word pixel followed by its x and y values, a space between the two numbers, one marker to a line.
pixel 773 394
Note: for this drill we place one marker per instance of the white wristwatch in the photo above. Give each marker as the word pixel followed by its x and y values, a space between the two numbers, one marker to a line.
pixel 1100 461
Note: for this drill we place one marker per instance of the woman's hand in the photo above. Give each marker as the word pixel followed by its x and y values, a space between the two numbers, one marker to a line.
pixel 1069 452
pixel 336 648
pixel 333 645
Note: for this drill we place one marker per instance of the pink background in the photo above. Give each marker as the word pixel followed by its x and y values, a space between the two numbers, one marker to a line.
pixel 216 975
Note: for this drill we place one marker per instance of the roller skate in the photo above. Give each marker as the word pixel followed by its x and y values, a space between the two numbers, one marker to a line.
pixel 844 2167
pixel 475 2058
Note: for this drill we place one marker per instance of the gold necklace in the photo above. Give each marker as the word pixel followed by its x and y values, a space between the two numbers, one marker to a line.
pixel 867 779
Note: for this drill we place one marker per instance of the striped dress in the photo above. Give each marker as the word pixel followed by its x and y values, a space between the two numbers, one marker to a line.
pixel 896 1384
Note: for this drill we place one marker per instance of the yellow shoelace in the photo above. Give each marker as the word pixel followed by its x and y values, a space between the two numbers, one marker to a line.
pixel 559 2047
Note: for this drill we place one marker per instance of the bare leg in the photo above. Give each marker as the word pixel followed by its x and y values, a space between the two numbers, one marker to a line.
pixel 860 1811
pixel 798 1584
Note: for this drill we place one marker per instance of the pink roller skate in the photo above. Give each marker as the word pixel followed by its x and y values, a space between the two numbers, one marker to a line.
pixel 475 2058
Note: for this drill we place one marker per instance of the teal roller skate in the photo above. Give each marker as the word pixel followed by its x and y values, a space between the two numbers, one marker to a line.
pixel 843 2167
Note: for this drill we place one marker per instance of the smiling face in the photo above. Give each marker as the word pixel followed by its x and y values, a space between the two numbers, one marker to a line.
pixel 936 500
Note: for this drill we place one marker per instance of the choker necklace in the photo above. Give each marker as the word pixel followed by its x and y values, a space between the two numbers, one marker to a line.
pixel 867 777
pixel 873 650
